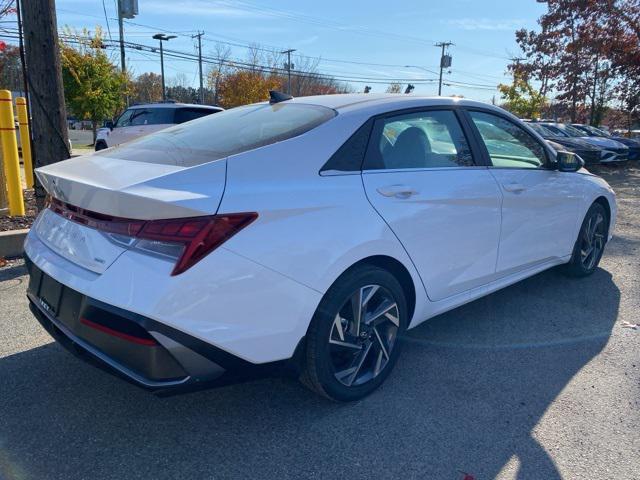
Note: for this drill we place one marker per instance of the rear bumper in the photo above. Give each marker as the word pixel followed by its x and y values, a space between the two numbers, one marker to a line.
pixel 167 361
pixel 225 301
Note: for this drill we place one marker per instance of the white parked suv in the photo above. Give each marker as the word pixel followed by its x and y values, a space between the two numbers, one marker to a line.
pixel 139 120
pixel 309 233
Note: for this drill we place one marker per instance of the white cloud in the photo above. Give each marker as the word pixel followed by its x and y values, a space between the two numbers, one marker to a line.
pixel 306 41
pixel 486 23
pixel 200 8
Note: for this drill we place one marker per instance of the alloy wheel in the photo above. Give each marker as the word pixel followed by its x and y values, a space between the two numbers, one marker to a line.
pixel 363 335
pixel 592 242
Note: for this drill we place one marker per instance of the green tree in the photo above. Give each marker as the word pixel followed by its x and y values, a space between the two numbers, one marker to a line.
pixel 522 99
pixel 94 88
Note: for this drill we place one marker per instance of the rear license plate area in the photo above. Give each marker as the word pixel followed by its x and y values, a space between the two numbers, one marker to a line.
pixel 49 295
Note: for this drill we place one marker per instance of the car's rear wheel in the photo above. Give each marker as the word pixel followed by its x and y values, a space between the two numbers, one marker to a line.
pixel 589 246
pixel 353 339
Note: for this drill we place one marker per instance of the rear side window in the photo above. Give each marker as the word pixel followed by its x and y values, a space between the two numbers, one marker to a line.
pixel 429 139
pixel 188 114
pixel 349 157
pixel 226 133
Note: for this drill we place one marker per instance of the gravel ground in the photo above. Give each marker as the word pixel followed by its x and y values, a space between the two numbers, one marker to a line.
pixel 17 223
pixel 538 381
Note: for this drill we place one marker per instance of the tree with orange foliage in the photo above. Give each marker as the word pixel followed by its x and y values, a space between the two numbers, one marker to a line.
pixel 243 87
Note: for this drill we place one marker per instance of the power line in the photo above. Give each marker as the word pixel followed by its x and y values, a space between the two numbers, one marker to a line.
pixel 207 59
pixel 233 41
pixel 106 18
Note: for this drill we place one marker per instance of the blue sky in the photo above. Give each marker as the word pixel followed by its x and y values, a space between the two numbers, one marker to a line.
pixel 380 37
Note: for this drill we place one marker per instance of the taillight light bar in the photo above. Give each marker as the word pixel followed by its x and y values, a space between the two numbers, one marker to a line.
pixel 198 236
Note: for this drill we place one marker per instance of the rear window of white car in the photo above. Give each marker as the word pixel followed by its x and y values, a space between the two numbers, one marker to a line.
pixel 223 134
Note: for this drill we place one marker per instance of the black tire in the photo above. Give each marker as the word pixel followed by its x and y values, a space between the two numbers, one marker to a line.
pixel 320 373
pixel 578 266
pixel 100 146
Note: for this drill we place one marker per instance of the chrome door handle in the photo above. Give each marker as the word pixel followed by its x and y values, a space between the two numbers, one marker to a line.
pixel 514 187
pixel 398 191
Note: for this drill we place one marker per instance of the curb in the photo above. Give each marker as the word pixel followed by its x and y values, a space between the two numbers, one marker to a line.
pixel 11 243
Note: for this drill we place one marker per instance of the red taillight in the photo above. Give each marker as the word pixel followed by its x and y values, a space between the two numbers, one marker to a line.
pixel 197 236
pixel 99 221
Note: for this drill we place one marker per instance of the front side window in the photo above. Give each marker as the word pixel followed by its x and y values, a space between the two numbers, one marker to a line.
pixel 123 120
pixel 430 139
pixel 508 145
pixel 152 116
pixel 226 133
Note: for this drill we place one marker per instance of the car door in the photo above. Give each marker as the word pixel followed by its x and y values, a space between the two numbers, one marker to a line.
pixel 540 204
pixel 122 131
pixel 151 119
pixel 419 174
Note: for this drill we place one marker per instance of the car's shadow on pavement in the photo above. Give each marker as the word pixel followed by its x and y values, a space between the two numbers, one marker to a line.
pixel 466 395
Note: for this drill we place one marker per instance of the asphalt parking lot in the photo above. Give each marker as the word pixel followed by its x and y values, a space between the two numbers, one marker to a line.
pixel 538 381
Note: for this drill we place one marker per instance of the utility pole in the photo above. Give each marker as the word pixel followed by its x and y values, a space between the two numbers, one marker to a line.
pixel 445 62
pixel 289 67
pixel 126 9
pixel 44 78
pixel 199 36
pixel 123 65
pixel 161 37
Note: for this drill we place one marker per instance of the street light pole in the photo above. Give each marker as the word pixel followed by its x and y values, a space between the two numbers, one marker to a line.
pixel 161 37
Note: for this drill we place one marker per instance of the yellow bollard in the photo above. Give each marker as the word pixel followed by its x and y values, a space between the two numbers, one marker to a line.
pixel 23 120
pixel 10 154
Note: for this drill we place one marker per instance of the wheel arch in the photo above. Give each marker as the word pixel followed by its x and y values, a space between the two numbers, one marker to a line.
pixel 602 200
pixel 398 270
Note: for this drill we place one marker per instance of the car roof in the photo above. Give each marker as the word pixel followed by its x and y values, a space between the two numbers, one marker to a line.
pixel 372 103
pixel 175 105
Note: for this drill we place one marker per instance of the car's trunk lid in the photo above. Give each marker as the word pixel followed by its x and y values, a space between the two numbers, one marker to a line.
pixel 121 188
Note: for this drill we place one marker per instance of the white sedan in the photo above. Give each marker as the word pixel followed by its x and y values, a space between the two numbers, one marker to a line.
pixel 305 233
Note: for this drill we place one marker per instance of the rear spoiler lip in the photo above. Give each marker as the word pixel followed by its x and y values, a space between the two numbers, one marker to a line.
pixel 175 193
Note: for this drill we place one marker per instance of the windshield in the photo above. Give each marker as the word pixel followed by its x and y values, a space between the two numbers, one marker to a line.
pixel 223 134
pixel 596 132
pixel 571 131
pixel 542 130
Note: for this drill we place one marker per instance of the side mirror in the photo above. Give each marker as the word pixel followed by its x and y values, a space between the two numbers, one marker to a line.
pixel 568 162
pixel 109 124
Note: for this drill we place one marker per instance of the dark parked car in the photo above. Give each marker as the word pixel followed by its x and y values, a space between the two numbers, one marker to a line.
pixel 633 145
pixel 589 153
pixel 611 151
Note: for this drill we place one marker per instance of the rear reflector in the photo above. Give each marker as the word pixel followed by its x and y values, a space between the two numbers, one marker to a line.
pixel 149 342
pixel 188 240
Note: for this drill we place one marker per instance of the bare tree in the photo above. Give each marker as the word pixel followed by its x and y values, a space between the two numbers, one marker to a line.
pixel 6 7
pixel 394 88
pixel 179 80
pixel 217 71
